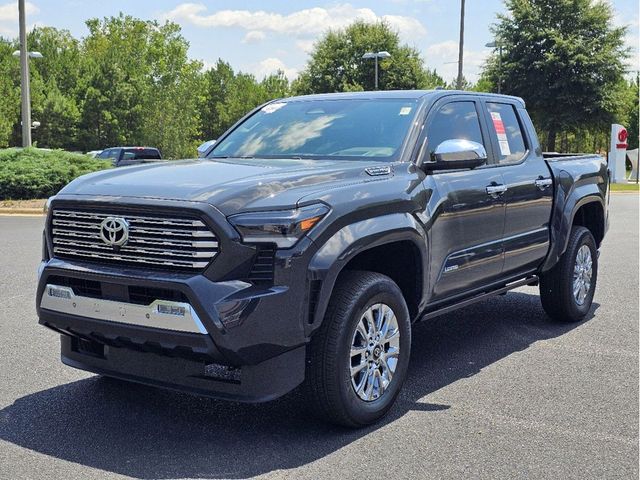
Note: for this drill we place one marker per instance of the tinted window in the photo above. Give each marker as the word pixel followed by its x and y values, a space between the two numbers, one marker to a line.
pixel 457 120
pixel 322 128
pixel 110 153
pixel 506 128
pixel 141 153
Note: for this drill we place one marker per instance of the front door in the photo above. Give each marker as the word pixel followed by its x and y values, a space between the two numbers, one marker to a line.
pixel 467 217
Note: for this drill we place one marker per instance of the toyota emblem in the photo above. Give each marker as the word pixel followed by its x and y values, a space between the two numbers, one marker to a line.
pixel 114 231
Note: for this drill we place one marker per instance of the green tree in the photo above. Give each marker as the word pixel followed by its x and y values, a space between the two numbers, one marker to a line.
pixel 9 92
pixel 631 113
pixel 138 86
pixel 229 95
pixel 565 58
pixel 336 62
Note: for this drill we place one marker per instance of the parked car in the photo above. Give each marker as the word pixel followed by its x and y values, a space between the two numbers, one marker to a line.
pixel 94 153
pixel 126 156
pixel 316 233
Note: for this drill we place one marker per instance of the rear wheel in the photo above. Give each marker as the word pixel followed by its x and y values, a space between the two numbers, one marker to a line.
pixel 567 289
pixel 358 359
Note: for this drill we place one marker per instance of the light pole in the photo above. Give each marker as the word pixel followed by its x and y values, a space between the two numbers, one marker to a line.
pixel 377 55
pixel 497 44
pixel 25 94
pixel 461 46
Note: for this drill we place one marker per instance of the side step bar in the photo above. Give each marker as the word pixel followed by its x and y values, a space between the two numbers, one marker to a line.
pixel 483 296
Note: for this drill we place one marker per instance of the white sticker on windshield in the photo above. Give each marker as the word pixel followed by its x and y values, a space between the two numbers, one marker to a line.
pixel 503 141
pixel 272 107
pixel 405 111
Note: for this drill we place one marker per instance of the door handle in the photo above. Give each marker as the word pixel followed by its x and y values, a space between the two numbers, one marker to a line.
pixel 543 183
pixel 496 190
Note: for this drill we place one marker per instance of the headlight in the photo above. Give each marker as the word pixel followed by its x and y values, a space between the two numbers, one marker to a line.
pixel 47 205
pixel 282 227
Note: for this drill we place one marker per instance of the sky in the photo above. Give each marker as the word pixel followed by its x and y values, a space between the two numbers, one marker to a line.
pixel 261 37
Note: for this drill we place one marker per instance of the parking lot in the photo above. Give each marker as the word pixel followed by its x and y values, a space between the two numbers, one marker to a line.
pixel 494 391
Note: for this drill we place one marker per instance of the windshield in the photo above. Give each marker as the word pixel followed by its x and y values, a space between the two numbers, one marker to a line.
pixel 336 129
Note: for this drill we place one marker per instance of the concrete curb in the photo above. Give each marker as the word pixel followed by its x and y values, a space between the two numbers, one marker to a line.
pixel 21 211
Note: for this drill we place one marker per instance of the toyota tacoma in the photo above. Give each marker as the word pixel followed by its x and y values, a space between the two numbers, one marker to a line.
pixel 309 240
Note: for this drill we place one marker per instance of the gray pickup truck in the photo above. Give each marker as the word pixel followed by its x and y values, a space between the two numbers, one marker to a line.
pixel 314 234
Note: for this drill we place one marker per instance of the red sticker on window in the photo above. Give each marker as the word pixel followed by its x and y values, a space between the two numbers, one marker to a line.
pixel 501 132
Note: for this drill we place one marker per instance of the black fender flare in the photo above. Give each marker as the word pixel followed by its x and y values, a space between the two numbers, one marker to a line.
pixel 565 206
pixel 353 239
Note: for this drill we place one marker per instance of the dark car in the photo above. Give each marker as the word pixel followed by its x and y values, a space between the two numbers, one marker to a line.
pixel 311 238
pixel 125 156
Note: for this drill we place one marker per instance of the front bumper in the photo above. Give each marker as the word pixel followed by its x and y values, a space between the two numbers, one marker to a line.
pixel 256 383
pixel 231 339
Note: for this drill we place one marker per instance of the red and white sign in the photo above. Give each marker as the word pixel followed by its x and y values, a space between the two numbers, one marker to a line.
pixel 622 139
pixel 501 132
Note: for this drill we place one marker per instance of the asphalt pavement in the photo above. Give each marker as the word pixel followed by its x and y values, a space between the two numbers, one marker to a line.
pixel 494 391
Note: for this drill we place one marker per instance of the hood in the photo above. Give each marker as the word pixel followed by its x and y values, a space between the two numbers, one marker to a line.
pixel 231 185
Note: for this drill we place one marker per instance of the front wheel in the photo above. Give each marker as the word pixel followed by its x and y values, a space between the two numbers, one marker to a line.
pixel 567 289
pixel 358 359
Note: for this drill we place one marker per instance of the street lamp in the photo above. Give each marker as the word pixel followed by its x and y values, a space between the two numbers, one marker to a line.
pixel 376 56
pixel 31 54
pixel 25 95
pixel 498 45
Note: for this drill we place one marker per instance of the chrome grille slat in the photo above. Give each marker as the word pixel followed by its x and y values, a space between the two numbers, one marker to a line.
pixel 126 249
pixel 128 258
pixel 198 244
pixel 170 242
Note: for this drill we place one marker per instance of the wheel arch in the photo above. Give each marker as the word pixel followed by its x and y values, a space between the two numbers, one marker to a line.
pixel 585 208
pixel 394 245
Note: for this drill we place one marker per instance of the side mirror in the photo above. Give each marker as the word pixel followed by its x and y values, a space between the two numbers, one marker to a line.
pixel 457 153
pixel 204 148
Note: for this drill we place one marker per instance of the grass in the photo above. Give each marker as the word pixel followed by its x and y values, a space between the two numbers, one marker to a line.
pixel 625 187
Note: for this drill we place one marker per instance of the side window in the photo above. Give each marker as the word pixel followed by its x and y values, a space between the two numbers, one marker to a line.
pixel 456 120
pixel 110 153
pixel 508 132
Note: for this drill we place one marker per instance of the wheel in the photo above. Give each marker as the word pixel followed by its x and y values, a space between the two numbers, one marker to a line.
pixel 567 289
pixel 358 359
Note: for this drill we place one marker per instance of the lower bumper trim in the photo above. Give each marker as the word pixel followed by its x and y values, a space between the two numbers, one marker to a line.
pixel 164 314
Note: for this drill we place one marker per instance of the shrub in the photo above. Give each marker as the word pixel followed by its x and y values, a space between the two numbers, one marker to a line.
pixel 33 173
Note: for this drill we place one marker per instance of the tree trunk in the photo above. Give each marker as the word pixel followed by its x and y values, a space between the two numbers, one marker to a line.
pixel 551 140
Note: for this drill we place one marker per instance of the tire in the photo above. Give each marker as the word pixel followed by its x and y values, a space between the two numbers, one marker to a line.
pixel 557 285
pixel 329 382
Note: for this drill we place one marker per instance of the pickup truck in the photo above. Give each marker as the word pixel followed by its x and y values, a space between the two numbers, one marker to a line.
pixel 125 156
pixel 310 239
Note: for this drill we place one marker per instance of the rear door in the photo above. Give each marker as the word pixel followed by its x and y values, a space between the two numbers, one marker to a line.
pixel 527 177
pixel 467 222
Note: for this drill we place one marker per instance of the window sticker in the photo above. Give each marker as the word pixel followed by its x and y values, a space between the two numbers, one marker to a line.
pixel 503 141
pixel 272 107
pixel 405 111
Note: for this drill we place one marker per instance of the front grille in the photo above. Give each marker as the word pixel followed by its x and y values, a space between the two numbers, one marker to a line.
pixel 154 241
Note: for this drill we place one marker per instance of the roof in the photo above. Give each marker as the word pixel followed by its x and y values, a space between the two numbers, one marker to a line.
pixel 399 94
pixel 370 95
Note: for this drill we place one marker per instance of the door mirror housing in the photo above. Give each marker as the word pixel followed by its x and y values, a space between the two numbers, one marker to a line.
pixel 455 154
pixel 205 147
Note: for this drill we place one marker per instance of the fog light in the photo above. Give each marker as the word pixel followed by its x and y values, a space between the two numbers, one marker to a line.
pixel 174 310
pixel 59 292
